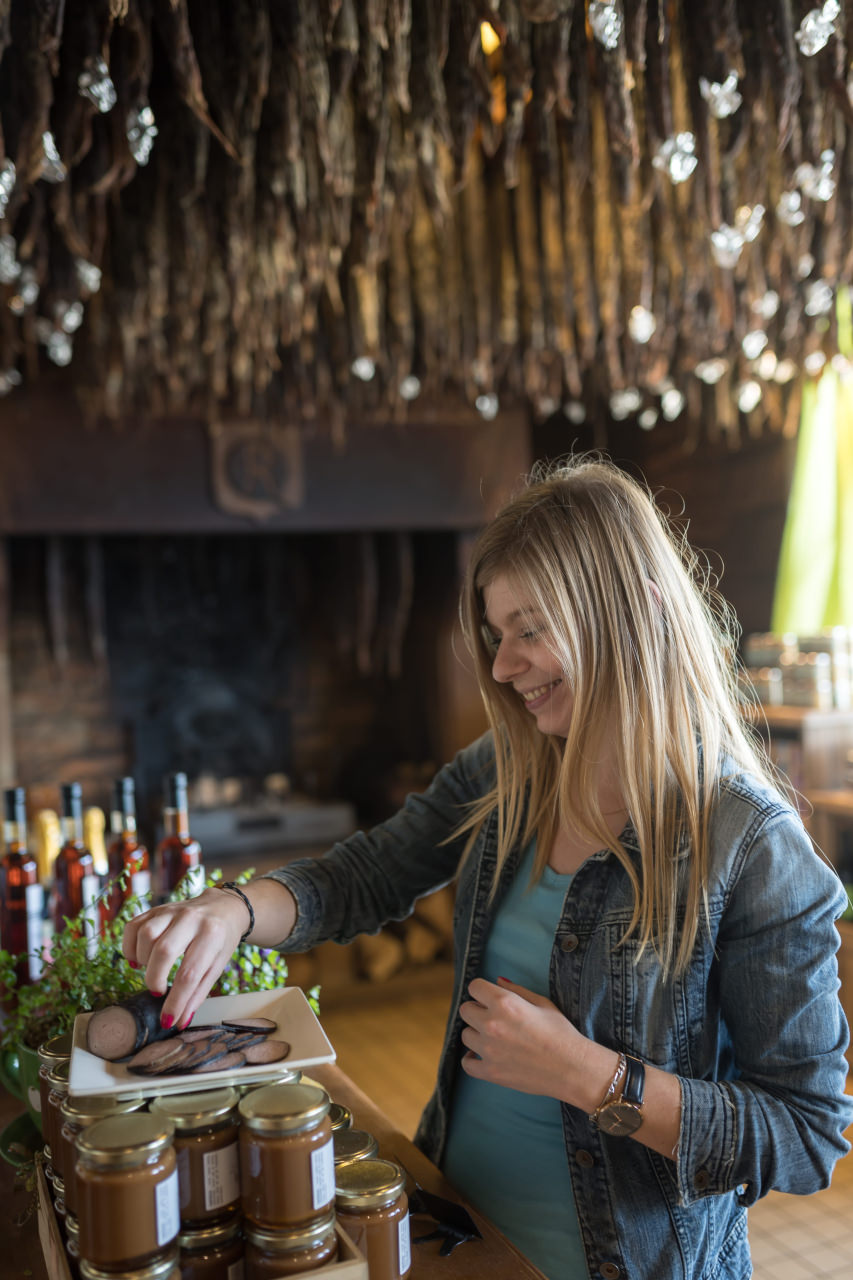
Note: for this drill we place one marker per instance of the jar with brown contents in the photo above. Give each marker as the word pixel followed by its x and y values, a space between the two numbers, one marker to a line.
pixel 287 1169
pixel 163 1267
pixel 57 1082
pixel 354 1144
pixel 270 1254
pixel 50 1054
pixel 373 1209
pixel 206 1129
pixel 127 1191
pixel 76 1114
pixel 213 1251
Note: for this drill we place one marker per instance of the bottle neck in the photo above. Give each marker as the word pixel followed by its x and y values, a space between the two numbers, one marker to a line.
pixel 15 836
pixel 176 822
pixel 71 826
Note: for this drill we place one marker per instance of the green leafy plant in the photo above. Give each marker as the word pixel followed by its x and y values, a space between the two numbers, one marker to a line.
pixel 75 982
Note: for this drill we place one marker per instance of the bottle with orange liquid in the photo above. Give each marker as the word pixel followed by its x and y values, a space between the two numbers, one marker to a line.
pixel 75 884
pixel 21 895
pixel 178 854
pixel 126 856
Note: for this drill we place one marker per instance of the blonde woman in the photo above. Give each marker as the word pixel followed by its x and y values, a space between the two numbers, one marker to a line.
pixel 645 1035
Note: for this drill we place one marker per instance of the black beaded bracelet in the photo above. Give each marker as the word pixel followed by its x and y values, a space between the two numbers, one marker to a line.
pixel 235 888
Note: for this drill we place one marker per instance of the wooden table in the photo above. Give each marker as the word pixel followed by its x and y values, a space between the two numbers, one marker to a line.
pixel 492 1258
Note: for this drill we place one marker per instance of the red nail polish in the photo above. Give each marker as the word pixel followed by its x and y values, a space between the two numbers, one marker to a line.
pixel 158 994
pixel 186 1022
pixel 504 979
pixel 133 964
pixel 166 1021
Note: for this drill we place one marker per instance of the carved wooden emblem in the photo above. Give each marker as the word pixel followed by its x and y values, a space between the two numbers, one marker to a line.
pixel 256 469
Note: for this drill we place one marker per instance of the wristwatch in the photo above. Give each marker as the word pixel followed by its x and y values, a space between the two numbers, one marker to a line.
pixel 621 1114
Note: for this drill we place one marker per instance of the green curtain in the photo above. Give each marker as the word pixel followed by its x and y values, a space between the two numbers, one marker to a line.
pixel 814 583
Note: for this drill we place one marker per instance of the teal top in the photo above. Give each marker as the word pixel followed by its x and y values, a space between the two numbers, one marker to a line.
pixel 505 1150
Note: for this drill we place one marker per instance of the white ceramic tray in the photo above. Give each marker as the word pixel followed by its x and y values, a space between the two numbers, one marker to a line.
pixel 287 1006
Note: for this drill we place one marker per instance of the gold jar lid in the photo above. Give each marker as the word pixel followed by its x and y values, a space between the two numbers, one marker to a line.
pixel 87 1108
pixel 119 1142
pixel 292 1076
pixel 57 1076
pixel 196 1110
pixel 368 1184
pixel 340 1116
pixel 72 1227
pixel 164 1267
pixel 304 1237
pixel 217 1233
pixel 55 1049
pixel 285 1108
pixel 354 1144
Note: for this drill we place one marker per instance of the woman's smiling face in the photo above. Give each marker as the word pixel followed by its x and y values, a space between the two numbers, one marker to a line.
pixel 524 658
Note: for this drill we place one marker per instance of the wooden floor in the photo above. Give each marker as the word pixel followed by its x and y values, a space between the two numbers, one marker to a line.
pixel 388 1037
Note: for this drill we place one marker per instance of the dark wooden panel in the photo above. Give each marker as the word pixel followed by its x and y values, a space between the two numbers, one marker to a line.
pixel 441 471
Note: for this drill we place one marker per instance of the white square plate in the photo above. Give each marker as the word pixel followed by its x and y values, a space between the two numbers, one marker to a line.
pixel 288 1006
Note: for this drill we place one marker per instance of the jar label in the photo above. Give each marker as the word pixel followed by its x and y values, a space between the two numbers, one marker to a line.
pixel 323 1175
pixel 89 890
pixel 236 1271
pixel 140 887
pixel 221 1177
pixel 404 1244
pixel 194 880
pixel 167 1209
pixel 35 906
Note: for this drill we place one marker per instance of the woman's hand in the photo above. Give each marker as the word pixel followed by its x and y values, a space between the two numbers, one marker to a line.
pixel 205 931
pixel 520 1040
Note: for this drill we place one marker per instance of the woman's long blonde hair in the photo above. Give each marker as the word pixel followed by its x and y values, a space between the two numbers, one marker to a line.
pixel 653 681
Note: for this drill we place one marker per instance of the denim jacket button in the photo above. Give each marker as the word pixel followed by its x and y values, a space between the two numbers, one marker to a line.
pixel 610 1270
pixel 585 1158
pixel 570 942
pixel 702 1179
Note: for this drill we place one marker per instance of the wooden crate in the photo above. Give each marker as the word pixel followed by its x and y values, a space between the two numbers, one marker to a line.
pixel 349 1265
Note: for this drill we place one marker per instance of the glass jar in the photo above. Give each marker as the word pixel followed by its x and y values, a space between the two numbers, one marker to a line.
pixel 205 1141
pixel 57 1084
pixel 163 1267
pixel 213 1251
pixel 76 1114
pixel 50 1054
pixel 373 1209
pixel 340 1117
pixel 127 1191
pixel 270 1254
pixel 354 1144
pixel 287 1167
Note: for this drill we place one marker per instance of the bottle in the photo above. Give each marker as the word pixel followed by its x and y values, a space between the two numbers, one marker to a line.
pixel 178 855
pixel 75 885
pixel 126 857
pixel 21 895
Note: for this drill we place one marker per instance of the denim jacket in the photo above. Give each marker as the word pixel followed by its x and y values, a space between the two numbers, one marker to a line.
pixel 753 1029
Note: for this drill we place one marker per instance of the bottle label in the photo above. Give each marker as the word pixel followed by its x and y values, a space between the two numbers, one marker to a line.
pixel 323 1175
pixel 35 908
pixel 89 888
pixel 221 1177
pixel 194 881
pixel 140 887
pixel 404 1244
pixel 167 1209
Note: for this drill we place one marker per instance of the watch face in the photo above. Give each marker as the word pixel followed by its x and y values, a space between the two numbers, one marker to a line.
pixel 620 1118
